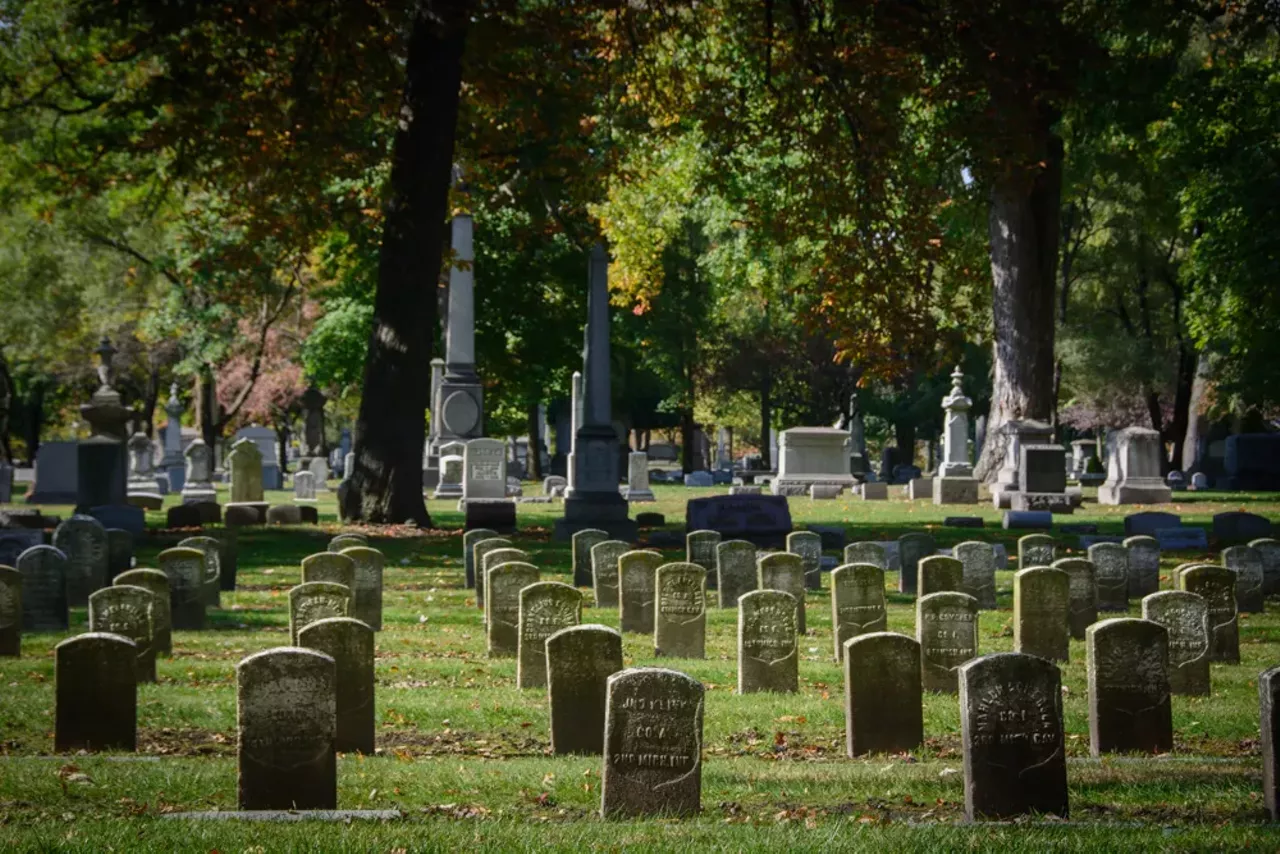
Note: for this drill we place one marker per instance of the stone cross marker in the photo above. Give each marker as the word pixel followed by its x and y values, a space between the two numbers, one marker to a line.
pixel 638 583
pixel 546 607
pixel 10 612
pixel 978 572
pixel 83 540
pixel 808 545
pixel 44 589
pixel 245 464
pixel 700 548
pixel 502 606
pixel 1011 734
pixel 580 660
pixel 768 656
pixel 912 548
pixel 1084 593
pixel 680 623
pixel 583 541
pixel 1111 573
pixel 1128 672
pixel 479 551
pixel 1269 550
pixel 185 570
pixel 883 705
pixel 857 603
pixel 1247 562
pixel 872 553
pixel 735 571
pixel 1186 617
pixel 286 724
pixel 1035 550
pixel 349 643
pixel 129 612
pixel 157 583
pixel 1217 585
pixel 1144 565
pixel 97 693
pixel 947 631
pixel 346 541
pixel 330 567
pixel 604 571
pixel 786 572
pixel 1042 613
pixel 938 574
pixel 469 540
pixel 211 580
pixel 316 600
pixel 653 744
pixel 1269 702
pixel 366 585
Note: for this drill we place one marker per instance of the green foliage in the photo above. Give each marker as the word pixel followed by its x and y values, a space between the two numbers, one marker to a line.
pixel 333 353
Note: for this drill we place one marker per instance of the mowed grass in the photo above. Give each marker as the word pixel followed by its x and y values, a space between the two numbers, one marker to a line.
pixel 463 754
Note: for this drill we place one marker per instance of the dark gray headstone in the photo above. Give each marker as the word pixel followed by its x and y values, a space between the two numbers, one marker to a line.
pixel 1217 585
pixel 1036 550
pixel 1041 613
pixel 1083 576
pixel 978 571
pixel 1027 520
pixel 1128 672
pixel 128 611
pixel 119 552
pixel 329 567
pixel 768 655
pixel 857 603
pixel 912 548
pixel 785 571
pixel 1111 574
pixel 469 540
pixel 938 574
pixel 735 570
pixel 1238 527
pixel 700 548
pixel 583 541
pixel 349 539
pixel 479 551
pixel 1042 468
pixel 637 586
pixel 349 643
pixel 366 585
pixel 10 612
pixel 1247 562
pixel 183 516
pixel 1186 617
pixel 316 600
pixel 947 631
pixel 580 660
pixel 211 549
pixel 867 552
pixel 546 607
pixel 44 590
pixel 97 693
pixel 157 583
pixel 1148 522
pixel 761 519
pixel 1269 551
pixel 883 704
pixel 808 546
pixel 185 569
pixel 680 623
pixel 963 522
pixel 1269 701
pixel 502 606
pixel 84 541
pixel 604 570
pixel 1144 565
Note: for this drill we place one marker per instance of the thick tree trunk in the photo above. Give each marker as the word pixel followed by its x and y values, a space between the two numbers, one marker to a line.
pixel 766 420
pixel 535 444
pixel 686 440
pixel 207 420
pixel 1196 423
pixel 282 448
pixel 386 486
pixel 1024 233
pixel 34 419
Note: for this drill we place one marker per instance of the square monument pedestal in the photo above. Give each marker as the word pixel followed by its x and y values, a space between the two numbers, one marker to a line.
pixel 809 456
pixel 496 514
pixel 605 511
pixel 955 490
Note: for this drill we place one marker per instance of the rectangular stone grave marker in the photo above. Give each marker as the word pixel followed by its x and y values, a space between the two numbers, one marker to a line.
pixel 700 548
pixel 157 583
pixel 583 541
pixel 366 585
pixel 1237 526
pixel 1148 522
pixel 762 519
pixel 638 581
pixel 947 631
pixel 808 545
pixel 330 568
pixel 786 572
pixel 736 571
pixel 484 469
pixel 912 548
pixel 653 744
pixel 286 723
pixel 129 612
pixel 1084 593
pixel 349 642
pixel 1269 702
pixel 580 660
pixel 978 572
pixel 1111 574
pixel 1041 612
pixel 1035 550
pixel 469 540
pixel 938 574
pixel 604 571
pixel 768 656
pixel 1247 563
pixel 1144 565
pixel 502 607
pixel 546 607
pixel 97 693
pixel 1269 550
pixel 211 549
pixel 316 600
pixel 867 552
pixel 1128 673
pixel 10 612
pixel 346 541
pixel 857 603
pixel 83 540
pixel 480 551
pixel 185 570
pixel 1186 617
pixel 680 623
pixel 44 590
pixel 883 704
pixel 1217 585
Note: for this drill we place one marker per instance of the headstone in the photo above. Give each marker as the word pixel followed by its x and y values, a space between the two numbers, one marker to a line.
pixel 1144 565
pixel 1199 481
pixel 487 557
pixel 857 603
pixel 637 590
pixel 700 548
pixel 142 483
pixel 701 479
pixel 451 471
pixel 245 464
pixel 545 607
pixel 15 541
pixel 128 611
pixel 653 744
pixel 1035 550
pixel 947 631
pixel 211 550
pixel 366 585
pixel 97 693
pixel 125 516
pixel 57 472
pixel 102 473
pixel 873 491
pixel 580 660
pixel 319 471
pixel 286 724
pixel 1186 618
pixel 1042 469
pixel 978 571
pixel 156 583
pixel 484 469
pixel 1041 613
pixel 867 552
pixel 1111 574
pixel 820 491
pixel 939 573
pixel 10 612
pixel 883 704
pixel 304 486
pixel 1269 731
pixel 503 583
pixel 583 541
pixel 44 589
pixel 808 546
pixel 761 519
pixel 349 642
pixel 553 486
pixel 1182 539
pixel 680 621
pixel 1237 527
pixel 119 552
pixel 329 567
pixel 1269 551
pixel 784 571
pixel 1024 520
pixel 604 570
pixel 346 541
pixel 1083 577
pixel 912 548
pixel 1150 521
pixel 312 601
pixel 1247 563
pixel 185 569
pixel 469 540
pixel 184 516
pixel 1133 469
pixel 84 542
pixel 1128 673
pixel 768 656
pixel 735 571
pixel 638 477
pixel 1016 434
pixel 1011 735
pixel 1217 585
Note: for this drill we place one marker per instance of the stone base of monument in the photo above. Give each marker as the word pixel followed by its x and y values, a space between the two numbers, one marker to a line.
pixel 287 815
pixel 800 485
pixel 603 510
pixel 955 490
pixel 146 500
pixel 241 510
pixel 638 496
pixel 876 491
pixel 920 487
pixel 1053 502
pixel 496 514
pixel 1145 491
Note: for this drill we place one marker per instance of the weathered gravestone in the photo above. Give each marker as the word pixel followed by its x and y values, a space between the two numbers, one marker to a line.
pixel 700 548
pixel 1217 585
pixel 761 519
pixel 330 567
pixel 604 571
pixel 653 744
pixel 211 550
pixel 469 540
pixel 1144 565
pixel 867 552
pixel 242 515
pixel 580 660
pixel 502 606
pixel 784 571
pixel 1041 612
pixel 97 693
pixel 15 541
pixel 1111 575
pixel 346 541
pixel 366 585
pixel 937 574
pixel 857 603
pixel 10 612
pixel 1035 550
pixel 304 486
pixel 44 589
pixel 637 583
pixel 1269 551
pixel 1084 593
pixel 349 643
pixel 129 612
pixel 84 542
pixel 808 546
pixel 478 552
pixel 492 558
pixel 912 548
pixel 316 600
pixel 1186 618
pixel 286 724
pixel 185 570
pixel 1236 527
pixel 1011 734
pixel 735 571
pixel 286 514
pixel 978 571
pixel 1128 672
pixel 883 705
pixel 947 631
pixel 1269 703
pixel 1150 521
pixel 119 552
pixel 583 541
pixel 157 584
pixel 484 469
pixel 1247 563
pixel 546 607
pixel 768 656
pixel 680 621
pixel 244 462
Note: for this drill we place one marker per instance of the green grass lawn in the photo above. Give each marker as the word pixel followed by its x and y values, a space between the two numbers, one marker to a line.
pixel 464 754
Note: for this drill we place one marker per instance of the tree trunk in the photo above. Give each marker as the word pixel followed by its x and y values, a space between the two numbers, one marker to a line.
pixel 534 452
pixel 1177 429
pixel 282 448
pixel 686 440
pixel 34 419
pixel 206 396
pixel 766 420
pixel 904 438
pixel 148 413
pixel 1023 226
pixel 386 486
pixel 1196 423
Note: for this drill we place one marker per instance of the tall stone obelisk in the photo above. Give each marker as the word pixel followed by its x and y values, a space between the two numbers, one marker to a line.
pixel 461 397
pixel 594 500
